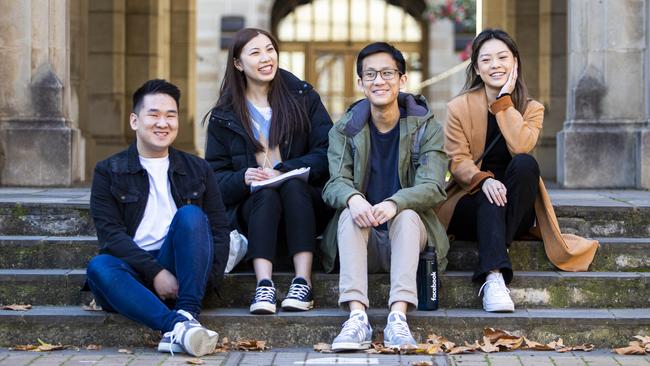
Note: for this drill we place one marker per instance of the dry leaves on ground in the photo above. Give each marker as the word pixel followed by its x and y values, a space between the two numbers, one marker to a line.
pixel 494 340
pixel 92 306
pixel 422 363
pixel 41 347
pixel 124 350
pixel 323 348
pixel 241 345
pixel 16 307
pixel 639 347
pixel 195 361
pixel 94 347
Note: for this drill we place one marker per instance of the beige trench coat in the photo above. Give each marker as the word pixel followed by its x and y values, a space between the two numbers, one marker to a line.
pixel 465 133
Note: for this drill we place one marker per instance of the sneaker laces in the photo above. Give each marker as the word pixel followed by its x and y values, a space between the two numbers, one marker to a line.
pixel 497 283
pixel 174 335
pixel 264 293
pixel 298 291
pixel 179 328
pixel 353 326
pixel 400 328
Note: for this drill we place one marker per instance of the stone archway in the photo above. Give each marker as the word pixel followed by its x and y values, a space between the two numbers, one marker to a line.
pixel 319 41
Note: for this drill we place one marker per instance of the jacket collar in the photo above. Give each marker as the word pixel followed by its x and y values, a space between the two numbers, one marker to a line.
pixel 176 165
pixel 358 114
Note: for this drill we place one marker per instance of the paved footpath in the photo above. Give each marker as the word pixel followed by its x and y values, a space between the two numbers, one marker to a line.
pixel 297 357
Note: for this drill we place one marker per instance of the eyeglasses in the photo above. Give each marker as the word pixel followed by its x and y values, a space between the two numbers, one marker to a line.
pixel 371 75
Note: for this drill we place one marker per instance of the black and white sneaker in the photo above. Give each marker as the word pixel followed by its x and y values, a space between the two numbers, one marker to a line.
pixel 299 297
pixel 264 300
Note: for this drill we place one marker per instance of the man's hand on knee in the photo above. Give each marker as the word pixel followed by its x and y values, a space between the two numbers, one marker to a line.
pixel 361 211
pixel 166 285
pixel 384 211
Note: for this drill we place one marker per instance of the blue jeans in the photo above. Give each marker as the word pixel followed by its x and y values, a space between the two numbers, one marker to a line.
pixel 186 252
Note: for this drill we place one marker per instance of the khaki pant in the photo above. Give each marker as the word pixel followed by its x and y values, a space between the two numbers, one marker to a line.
pixel 367 250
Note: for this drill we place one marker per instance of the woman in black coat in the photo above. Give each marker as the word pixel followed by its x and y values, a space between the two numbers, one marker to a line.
pixel 268 122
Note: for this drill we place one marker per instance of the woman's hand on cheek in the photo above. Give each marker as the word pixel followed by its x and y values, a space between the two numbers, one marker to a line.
pixel 509 86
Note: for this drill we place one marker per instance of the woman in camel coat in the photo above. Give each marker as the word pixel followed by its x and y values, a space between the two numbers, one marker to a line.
pixel 497 194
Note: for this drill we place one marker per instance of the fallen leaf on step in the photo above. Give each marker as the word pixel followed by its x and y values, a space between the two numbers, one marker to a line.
pixel 461 349
pixel 643 339
pixel 422 363
pixel 23 347
pixel 559 344
pixel 195 361
pixel 93 347
pixel 634 348
pixel 378 347
pixel 47 347
pixel 241 345
pixel 587 347
pixel 532 345
pixel 16 307
pixel 432 349
pixel 507 344
pixel 124 350
pixel 408 350
pixel 496 334
pixel 323 347
pixel 487 346
pixel 92 306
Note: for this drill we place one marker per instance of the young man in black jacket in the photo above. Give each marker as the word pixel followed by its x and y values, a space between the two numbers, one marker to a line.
pixel 161 225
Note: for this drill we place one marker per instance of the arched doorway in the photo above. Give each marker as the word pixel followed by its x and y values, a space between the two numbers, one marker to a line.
pixel 320 39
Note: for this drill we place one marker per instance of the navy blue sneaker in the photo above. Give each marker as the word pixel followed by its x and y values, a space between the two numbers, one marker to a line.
pixel 264 300
pixel 299 296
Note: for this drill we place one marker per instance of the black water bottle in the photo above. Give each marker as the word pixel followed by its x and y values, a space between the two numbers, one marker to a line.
pixel 427 280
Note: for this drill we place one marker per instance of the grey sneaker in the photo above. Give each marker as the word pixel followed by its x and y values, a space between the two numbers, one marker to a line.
pixel 189 337
pixel 355 335
pixel 397 333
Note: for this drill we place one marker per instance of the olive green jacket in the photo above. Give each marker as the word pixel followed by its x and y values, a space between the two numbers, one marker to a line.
pixel 422 181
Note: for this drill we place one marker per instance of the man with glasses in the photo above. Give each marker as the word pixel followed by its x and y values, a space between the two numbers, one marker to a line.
pixel 387 169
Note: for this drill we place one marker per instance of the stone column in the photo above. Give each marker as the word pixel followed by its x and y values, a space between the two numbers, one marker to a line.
pixel 41 145
pixel 441 58
pixel 551 87
pixel 106 127
pixel 605 141
pixel 183 70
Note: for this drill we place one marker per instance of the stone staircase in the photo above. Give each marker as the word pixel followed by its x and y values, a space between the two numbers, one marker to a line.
pixel 47 237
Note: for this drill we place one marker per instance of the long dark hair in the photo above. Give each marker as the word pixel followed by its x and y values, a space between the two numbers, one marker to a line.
pixel 474 82
pixel 289 116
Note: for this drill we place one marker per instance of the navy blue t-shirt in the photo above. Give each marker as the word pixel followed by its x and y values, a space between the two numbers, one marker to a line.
pixel 383 180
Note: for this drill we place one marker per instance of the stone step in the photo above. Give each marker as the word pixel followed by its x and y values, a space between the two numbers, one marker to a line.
pixel 615 254
pixel 56 216
pixel 528 289
pixel 71 325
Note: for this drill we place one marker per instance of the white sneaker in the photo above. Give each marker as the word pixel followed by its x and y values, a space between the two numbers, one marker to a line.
pixel 355 335
pixel 189 337
pixel 496 296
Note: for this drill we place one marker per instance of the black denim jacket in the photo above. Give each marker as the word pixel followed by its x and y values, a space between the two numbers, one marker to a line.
pixel 118 199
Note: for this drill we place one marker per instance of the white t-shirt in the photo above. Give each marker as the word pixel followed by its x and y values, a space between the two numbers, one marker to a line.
pixel 160 210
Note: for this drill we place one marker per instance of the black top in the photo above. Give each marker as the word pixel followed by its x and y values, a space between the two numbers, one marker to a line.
pixel 383 180
pixel 497 159
pixel 230 152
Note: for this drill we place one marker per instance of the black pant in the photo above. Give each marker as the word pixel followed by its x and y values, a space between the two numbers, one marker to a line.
pixel 495 227
pixel 296 204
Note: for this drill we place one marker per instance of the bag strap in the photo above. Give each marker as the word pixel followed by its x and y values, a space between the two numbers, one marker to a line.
pixel 494 141
pixel 487 150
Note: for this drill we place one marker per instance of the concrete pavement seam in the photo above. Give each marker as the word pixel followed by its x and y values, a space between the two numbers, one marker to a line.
pixel 233 359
